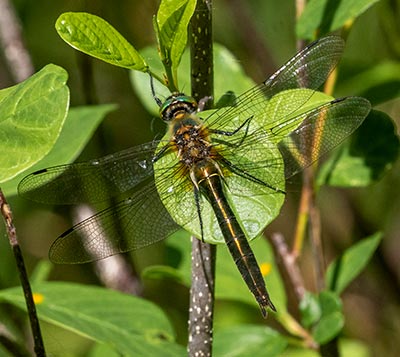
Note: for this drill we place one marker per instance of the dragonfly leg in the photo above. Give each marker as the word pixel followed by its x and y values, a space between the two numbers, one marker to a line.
pixel 248 176
pixel 153 91
pixel 160 153
pixel 231 133
pixel 196 193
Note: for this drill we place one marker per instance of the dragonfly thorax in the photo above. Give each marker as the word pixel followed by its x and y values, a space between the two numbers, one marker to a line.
pixel 192 143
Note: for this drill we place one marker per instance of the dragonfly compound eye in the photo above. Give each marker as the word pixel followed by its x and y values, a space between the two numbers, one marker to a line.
pixel 177 102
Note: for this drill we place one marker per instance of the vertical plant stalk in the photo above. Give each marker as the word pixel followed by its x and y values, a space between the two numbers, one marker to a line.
pixel 201 310
pixel 30 304
pixel 309 214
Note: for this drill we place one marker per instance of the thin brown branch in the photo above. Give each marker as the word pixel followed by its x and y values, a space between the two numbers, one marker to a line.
pixel 288 266
pixel 23 275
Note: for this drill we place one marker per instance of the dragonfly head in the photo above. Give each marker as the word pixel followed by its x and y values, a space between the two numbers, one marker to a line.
pixel 175 104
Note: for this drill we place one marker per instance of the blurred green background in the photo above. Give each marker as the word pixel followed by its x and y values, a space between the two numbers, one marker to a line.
pixel 261 34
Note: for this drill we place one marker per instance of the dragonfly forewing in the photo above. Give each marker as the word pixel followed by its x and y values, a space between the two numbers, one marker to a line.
pixel 92 181
pixel 307 69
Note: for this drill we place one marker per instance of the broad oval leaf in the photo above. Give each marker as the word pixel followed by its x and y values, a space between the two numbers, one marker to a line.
pixel 94 36
pixel 342 271
pixel 254 211
pixel 32 114
pixel 254 205
pixel 77 130
pixel 328 327
pixel 328 16
pixel 132 326
pixel 310 309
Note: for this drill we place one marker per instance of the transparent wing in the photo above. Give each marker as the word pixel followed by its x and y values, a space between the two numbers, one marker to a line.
pixel 322 130
pixel 253 156
pixel 307 69
pixel 142 220
pixel 92 181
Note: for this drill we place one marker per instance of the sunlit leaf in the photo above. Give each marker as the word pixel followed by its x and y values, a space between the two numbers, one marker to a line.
pixel 173 18
pixel 32 114
pixel 133 326
pixel 79 127
pixel 96 37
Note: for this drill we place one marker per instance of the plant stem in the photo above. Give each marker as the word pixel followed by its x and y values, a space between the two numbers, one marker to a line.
pixel 23 275
pixel 201 311
pixel 288 266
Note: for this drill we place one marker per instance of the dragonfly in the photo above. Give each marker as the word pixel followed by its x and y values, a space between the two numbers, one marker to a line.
pixel 189 177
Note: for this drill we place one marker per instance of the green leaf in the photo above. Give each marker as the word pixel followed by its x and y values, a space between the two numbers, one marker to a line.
pixel 31 117
pixel 366 157
pixel 79 127
pixel 324 313
pixel 96 37
pixel 257 206
pixel 310 309
pixel 133 326
pixel 341 272
pixel 327 16
pixel 248 340
pixel 173 18
pixel 351 348
pixel 328 328
pixel 102 350
pixel 332 319
pixel 162 272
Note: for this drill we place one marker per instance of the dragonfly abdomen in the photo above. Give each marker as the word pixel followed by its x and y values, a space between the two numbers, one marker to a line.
pixel 207 178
